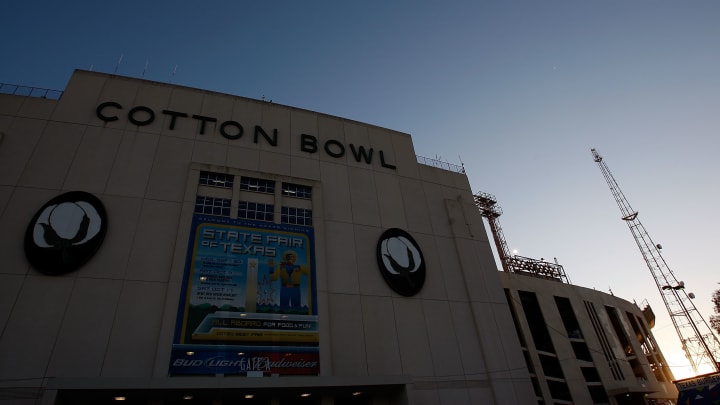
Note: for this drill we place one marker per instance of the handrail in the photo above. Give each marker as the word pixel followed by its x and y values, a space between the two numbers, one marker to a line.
pixel 440 164
pixel 28 91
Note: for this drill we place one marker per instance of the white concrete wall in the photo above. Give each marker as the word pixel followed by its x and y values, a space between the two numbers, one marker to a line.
pixel 545 291
pixel 115 316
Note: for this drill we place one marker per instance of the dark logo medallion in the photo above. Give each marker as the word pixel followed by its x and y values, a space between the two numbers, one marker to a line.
pixel 65 233
pixel 401 262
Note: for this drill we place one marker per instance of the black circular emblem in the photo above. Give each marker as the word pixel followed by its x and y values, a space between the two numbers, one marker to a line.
pixel 65 233
pixel 401 262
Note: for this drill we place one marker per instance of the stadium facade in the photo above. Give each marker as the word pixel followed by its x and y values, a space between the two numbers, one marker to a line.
pixel 162 244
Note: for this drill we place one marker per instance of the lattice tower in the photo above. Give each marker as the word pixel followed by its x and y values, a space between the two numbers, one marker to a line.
pixel 701 346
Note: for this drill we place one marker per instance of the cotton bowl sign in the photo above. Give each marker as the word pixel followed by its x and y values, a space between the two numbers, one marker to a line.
pixel 65 233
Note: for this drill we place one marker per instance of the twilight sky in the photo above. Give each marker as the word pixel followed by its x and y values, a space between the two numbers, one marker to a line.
pixel 518 91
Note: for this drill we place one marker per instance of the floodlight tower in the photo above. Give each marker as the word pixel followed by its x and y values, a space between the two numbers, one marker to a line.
pixel 698 341
pixel 487 204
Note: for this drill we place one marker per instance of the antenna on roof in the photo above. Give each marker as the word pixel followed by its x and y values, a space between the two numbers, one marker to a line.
pixel 147 62
pixel 118 64
pixel 173 73
pixel 91 67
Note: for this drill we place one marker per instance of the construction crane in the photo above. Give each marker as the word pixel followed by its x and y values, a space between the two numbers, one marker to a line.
pixel 701 346
pixel 487 205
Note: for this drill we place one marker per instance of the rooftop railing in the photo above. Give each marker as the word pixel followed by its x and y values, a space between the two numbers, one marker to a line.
pixel 28 91
pixel 440 164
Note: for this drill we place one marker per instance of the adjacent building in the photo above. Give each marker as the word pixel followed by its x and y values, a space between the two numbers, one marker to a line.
pixel 583 346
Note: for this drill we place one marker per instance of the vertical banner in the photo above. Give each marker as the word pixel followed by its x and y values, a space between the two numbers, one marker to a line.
pixel 248 301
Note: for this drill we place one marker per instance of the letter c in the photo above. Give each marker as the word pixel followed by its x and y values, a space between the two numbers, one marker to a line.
pixel 101 107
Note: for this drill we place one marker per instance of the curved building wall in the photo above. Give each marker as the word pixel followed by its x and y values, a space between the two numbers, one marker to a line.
pixel 585 346
pixel 175 169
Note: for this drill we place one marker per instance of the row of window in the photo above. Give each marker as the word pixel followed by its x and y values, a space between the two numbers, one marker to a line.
pixel 212 206
pixel 253 210
pixel 549 362
pixel 212 179
pixel 253 184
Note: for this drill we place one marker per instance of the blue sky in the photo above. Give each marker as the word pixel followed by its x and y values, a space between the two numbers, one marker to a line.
pixel 518 91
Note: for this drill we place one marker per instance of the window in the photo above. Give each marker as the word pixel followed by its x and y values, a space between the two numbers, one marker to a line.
pixel 551 366
pixel 651 345
pixel 212 206
pixel 559 390
pixel 257 185
pixel 590 374
pixel 536 321
pixel 581 350
pixel 645 344
pixel 258 211
pixel 297 216
pixel 638 371
pixel 510 302
pixel 216 179
pixel 598 394
pixel 568 318
pixel 296 190
pixel 619 331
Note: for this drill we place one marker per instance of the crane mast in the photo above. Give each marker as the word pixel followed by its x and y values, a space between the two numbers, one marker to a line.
pixel 701 346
